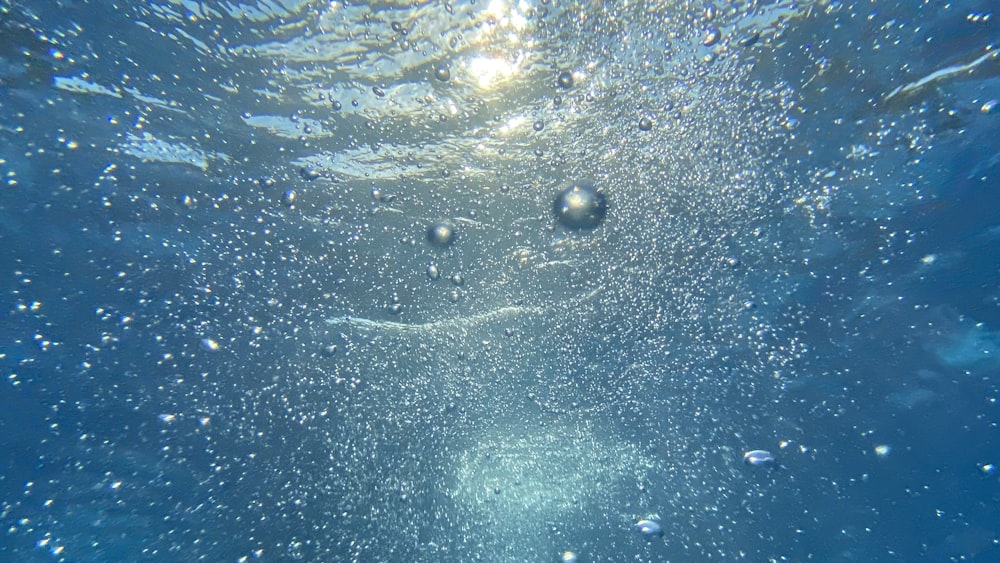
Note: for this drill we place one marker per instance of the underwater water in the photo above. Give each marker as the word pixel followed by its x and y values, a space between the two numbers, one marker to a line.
pixel 498 280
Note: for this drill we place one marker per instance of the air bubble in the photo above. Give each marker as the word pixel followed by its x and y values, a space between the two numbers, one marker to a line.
pixel 441 234
pixel 580 206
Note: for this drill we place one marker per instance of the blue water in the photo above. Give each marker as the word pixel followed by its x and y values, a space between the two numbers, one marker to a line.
pixel 227 337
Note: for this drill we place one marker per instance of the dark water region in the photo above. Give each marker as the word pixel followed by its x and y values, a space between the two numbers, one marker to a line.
pixel 229 336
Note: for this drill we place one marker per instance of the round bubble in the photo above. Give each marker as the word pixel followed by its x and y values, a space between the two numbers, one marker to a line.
pixel 441 234
pixel 580 206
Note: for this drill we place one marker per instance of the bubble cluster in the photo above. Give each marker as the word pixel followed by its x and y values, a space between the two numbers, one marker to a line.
pixel 494 281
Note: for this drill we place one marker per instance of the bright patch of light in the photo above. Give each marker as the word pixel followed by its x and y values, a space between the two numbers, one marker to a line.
pixel 507 15
pixel 489 71
pixel 513 124
pixel 499 28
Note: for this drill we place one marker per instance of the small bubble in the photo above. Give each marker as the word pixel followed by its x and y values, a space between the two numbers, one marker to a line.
pixel 645 123
pixel 442 73
pixel 979 17
pixel 379 93
pixel 538 125
pixel 565 79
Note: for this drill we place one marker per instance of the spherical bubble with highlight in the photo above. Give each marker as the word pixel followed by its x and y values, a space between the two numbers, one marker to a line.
pixel 441 234
pixel 433 272
pixel 580 206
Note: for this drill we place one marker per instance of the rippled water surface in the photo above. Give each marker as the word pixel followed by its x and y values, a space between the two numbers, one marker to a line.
pixel 228 335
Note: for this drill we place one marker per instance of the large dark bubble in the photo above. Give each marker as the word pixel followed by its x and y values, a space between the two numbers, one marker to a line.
pixel 580 206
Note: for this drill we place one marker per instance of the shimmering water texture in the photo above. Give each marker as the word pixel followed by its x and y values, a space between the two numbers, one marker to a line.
pixel 499 281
